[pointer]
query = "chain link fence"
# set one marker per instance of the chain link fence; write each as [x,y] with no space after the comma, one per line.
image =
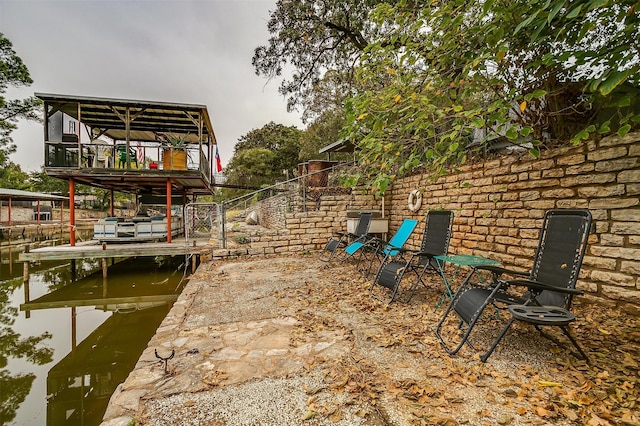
[202,220]
[299,194]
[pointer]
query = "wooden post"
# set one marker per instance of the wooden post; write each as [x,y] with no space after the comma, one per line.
[25,273]
[25,281]
[104,265]
[169,210]
[127,142]
[104,268]
[74,331]
[74,271]
[184,211]
[27,290]
[111,204]
[104,277]
[72,213]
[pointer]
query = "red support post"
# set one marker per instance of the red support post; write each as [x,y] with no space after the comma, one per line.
[72,213]
[169,210]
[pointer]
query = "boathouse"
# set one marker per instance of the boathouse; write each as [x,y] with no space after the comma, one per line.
[138,147]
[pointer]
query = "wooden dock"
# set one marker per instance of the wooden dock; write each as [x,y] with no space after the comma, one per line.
[95,249]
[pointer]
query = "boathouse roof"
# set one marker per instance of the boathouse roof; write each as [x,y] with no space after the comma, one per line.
[19,195]
[149,118]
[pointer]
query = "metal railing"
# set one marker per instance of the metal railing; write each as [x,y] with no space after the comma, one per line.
[202,220]
[209,219]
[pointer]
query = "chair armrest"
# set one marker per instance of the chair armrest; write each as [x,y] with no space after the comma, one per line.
[537,285]
[424,253]
[377,241]
[499,270]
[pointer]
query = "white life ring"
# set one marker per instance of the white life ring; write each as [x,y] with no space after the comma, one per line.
[415,200]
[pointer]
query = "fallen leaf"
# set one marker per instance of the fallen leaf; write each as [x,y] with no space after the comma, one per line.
[544,384]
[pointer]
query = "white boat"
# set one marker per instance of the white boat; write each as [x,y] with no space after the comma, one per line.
[139,228]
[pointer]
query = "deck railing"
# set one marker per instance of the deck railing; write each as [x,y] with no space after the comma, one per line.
[100,155]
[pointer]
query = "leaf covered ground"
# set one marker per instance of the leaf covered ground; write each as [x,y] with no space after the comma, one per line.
[399,369]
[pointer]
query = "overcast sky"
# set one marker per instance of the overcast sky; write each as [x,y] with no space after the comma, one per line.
[185,51]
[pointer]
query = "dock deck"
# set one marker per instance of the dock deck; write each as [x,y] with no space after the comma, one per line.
[94,249]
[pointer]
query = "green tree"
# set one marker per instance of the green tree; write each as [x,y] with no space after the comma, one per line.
[439,79]
[313,37]
[252,168]
[13,72]
[41,182]
[321,132]
[282,141]
[12,176]
[433,79]
[15,387]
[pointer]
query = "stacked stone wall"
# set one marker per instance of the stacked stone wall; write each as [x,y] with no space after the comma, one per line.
[18,214]
[306,227]
[499,205]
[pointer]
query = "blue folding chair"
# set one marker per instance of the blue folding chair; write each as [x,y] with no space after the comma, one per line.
[342,239]
[379,248]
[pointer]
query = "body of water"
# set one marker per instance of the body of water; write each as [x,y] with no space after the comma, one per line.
[68,338]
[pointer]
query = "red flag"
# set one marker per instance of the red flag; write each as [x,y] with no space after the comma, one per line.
[218,162]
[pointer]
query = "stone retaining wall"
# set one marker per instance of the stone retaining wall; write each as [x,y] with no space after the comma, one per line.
[499,205]
[18,214]
[302,230]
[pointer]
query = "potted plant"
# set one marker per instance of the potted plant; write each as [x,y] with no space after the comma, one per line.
[174,154]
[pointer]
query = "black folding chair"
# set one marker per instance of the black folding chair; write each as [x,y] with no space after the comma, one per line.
[341,239]
[435,242]
[550,286]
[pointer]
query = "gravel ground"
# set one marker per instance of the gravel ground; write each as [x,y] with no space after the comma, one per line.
[266,402]
[395,373]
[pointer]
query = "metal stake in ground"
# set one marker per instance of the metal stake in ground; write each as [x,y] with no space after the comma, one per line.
[173,352]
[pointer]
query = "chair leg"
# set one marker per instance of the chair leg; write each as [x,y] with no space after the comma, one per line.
[373,259]
[473,319]
[447,348]
[506,328]
[573,340]
[419,280]
[569,336]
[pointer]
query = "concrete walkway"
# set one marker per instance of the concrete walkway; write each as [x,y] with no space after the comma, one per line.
[226,328]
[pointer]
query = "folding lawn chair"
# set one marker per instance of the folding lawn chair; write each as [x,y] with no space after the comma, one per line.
[342,239]
[550,286]
[378,248]
[435,242]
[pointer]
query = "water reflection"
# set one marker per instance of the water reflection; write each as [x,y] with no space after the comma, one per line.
[76,340]
[80,385]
